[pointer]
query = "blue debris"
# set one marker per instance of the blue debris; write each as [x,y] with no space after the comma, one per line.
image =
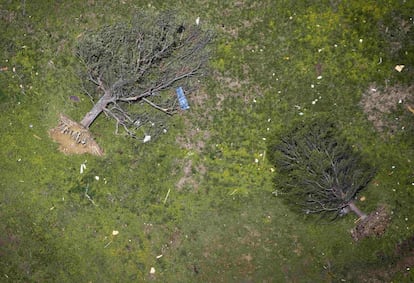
[182,99]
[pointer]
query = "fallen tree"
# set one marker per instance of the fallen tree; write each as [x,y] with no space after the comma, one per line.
[130,71]
[318,172]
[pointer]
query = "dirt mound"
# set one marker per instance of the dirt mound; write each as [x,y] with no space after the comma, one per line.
[374,225]
[74,138]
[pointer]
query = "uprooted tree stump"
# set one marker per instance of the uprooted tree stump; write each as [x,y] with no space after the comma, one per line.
[375,224]
[74,138]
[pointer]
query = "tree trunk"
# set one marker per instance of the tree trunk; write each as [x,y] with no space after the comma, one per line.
[356,210]
[96,110]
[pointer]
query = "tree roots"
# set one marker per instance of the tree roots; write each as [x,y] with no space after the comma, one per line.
[73,138]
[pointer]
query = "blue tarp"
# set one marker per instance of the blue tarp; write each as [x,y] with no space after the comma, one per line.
[182,99]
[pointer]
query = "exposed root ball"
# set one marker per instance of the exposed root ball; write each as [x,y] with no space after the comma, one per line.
[74,138]
[374,225]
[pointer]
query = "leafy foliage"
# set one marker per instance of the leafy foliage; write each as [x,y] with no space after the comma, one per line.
[319,171]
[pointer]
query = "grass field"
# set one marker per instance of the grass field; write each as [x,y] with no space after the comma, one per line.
[198,205]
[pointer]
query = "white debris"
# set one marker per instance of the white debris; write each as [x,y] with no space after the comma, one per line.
[197,21]
[152,270]
[82,168]
[97,178]
[147,138]
[115,232]
[399,68]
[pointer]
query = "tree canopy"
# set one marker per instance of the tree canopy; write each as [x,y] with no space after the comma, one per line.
[318,171]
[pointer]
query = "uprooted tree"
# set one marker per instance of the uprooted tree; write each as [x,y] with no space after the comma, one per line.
[131,70]
[318,171]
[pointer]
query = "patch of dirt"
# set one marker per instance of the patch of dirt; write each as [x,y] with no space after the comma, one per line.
[378,104]
[233,87]
[190,179]
[194,140]
[186,179]
[73,138]
[375,224]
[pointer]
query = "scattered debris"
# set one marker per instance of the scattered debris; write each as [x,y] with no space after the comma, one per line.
[115,232]
[146,139]
[399,68]
[166,197]
[182,99]
[82,168]
[37,137]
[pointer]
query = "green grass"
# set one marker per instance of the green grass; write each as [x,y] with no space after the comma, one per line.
[222,224]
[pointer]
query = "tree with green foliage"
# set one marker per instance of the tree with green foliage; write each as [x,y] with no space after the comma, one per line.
[318,171]
[131,69]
